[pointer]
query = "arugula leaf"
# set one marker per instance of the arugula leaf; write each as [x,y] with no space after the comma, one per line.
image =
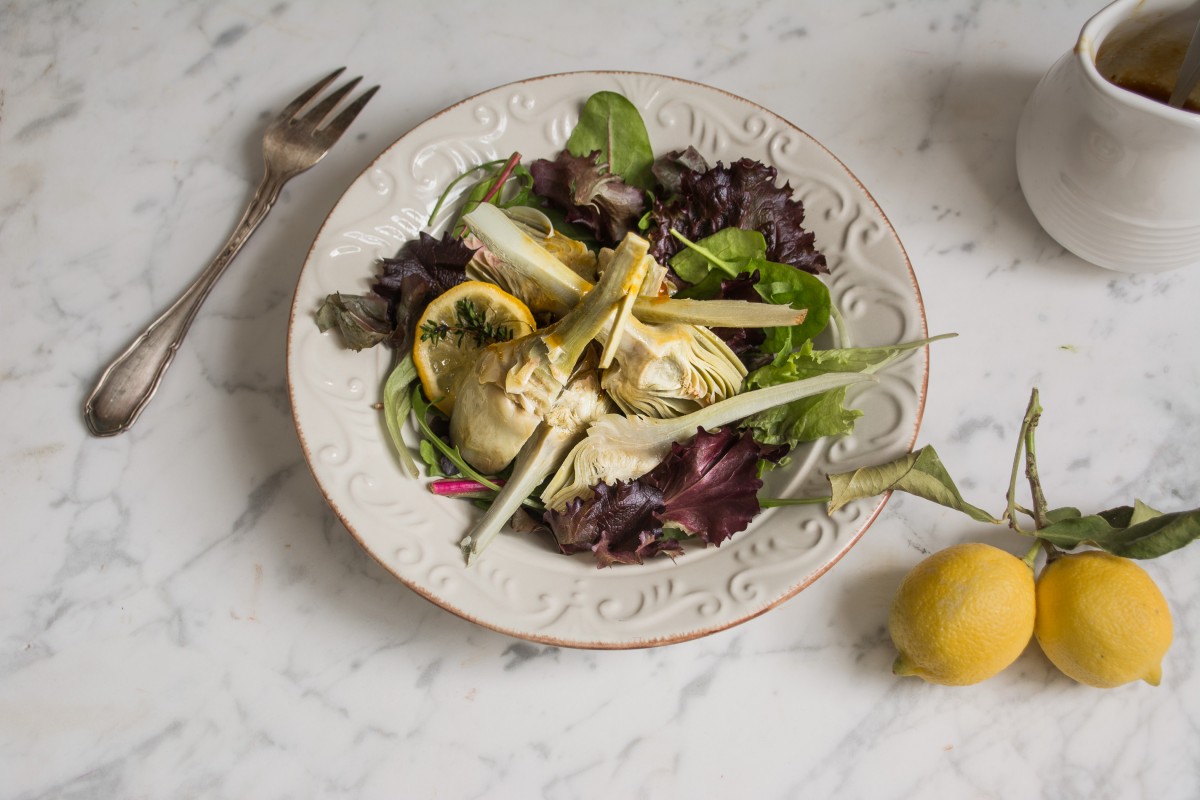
[919,473]
[422,408]
[812,418]
[433,461]
[487,190]
[611,125]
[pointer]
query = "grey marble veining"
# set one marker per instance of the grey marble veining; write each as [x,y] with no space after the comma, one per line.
[182,616]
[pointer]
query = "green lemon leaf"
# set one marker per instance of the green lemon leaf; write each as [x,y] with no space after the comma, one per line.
[1136,531]
[919,473]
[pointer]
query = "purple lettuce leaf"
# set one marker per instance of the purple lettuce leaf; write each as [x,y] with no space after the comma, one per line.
[742,195]
[617,523]
[423,269]
[590,195]
[708,488]
[669,169]
[361,319]
[710,485]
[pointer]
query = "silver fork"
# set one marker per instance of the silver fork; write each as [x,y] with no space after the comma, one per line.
[292,144]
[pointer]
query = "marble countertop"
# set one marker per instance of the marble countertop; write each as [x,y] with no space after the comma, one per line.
[181,615]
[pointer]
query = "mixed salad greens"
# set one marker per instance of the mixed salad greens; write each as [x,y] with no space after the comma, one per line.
[676,305]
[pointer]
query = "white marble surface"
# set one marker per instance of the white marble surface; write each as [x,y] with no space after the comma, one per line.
[181,615]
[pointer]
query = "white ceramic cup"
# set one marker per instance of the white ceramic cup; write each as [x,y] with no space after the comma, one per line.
[1113,176]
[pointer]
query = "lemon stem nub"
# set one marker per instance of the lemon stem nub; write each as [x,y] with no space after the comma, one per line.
[1031,557]
[902,666]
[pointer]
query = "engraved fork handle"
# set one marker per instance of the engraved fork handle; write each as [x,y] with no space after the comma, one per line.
[132,378]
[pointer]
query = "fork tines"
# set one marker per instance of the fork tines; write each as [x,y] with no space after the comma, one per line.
[317,115]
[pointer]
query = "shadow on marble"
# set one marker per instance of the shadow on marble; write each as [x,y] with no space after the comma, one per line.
[978,124]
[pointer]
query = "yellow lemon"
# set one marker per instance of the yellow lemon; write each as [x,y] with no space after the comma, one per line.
[1102,620]
[962,615]
[455,327]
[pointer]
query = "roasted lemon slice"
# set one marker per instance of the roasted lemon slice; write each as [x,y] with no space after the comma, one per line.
[455,327]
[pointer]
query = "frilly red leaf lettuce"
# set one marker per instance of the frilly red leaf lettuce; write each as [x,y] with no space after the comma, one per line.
[668,170]
[592,197]
[617,523]
[708,488]
[710,485]
[423,269]
[742,195]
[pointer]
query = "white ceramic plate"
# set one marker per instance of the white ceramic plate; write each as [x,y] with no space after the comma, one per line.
[522,586]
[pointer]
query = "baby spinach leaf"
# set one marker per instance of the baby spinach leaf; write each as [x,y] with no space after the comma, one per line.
[733,251]
[919,473]
[611,125]
[723,251]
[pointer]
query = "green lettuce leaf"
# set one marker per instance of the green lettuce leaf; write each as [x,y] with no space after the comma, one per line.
[612,126]
[812,418]
[397,403]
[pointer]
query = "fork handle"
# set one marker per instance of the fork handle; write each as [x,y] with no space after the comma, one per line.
[129,382]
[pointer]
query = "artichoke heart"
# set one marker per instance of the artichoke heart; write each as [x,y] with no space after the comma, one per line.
[499,402]
[671,369]
[513,385]
[580,403]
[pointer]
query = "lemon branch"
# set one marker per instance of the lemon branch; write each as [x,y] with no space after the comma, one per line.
[1026,447]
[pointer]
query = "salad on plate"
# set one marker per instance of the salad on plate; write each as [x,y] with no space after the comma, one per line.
[611,345]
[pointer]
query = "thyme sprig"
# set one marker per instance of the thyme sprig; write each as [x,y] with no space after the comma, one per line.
[469,321]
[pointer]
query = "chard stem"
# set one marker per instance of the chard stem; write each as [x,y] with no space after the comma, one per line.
[509,166]
[449,187]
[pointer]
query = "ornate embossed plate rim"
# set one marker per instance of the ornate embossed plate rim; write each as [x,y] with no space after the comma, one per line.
[375,541]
